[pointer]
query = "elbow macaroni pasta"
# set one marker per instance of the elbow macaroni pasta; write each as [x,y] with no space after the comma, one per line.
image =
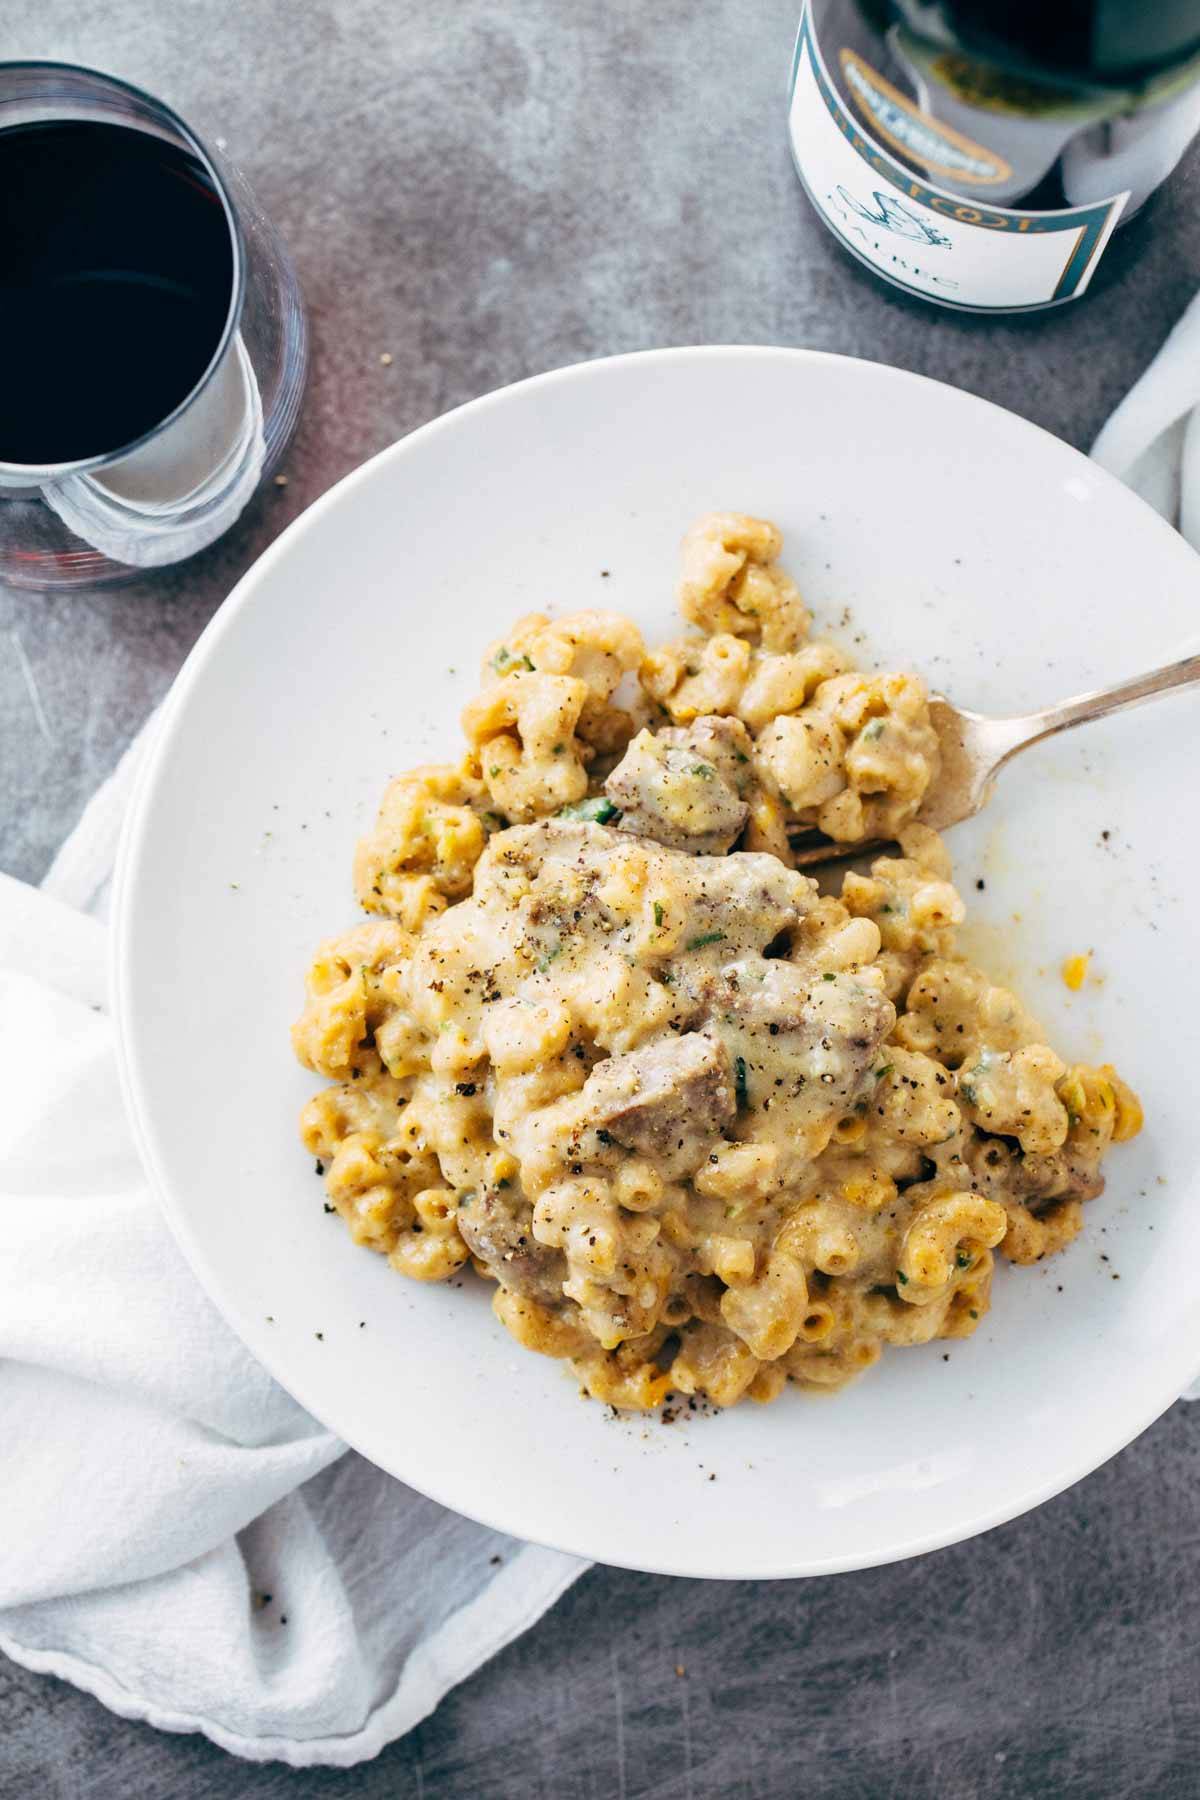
[706,1130]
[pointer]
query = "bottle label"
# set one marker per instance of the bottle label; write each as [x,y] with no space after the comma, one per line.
[958,251]
[938,148]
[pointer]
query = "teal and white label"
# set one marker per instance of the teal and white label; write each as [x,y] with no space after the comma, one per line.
[958,251]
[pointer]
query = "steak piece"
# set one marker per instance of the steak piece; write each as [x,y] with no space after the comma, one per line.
[499,1231]
[668,1100]
[725,743]
[682,787]
[1002,1171]
[814,1040]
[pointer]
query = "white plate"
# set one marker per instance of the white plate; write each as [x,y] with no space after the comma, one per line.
[964,542]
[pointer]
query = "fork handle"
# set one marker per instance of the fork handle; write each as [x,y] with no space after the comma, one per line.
[1035,726]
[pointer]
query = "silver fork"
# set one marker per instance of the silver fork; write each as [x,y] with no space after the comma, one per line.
[975,749]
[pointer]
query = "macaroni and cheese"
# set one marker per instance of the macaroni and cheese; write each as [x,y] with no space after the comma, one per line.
[706,1129]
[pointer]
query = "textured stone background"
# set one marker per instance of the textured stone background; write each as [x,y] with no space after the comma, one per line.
[486,192]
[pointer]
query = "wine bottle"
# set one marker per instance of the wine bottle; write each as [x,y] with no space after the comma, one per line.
[980,153]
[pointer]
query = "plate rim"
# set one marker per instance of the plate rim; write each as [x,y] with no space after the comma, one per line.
[132,850]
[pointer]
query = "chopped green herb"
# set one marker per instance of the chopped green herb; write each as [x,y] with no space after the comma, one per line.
[550,956]
[963,1260]
[706,937]
[829,976]
[885,1070]
[504,655]
[557,750]
[974,1314]
[874,730]
[739,1078]
[658,912]
[967,1092]
[493,771]
[901,1277]
[504,1182]
[703,770]
[597,808]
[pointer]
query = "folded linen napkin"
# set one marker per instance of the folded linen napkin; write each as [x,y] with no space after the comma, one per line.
[1152,440]
[183,1541]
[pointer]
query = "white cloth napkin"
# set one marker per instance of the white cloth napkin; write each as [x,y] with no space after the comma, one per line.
[1152,440]
[181,1539]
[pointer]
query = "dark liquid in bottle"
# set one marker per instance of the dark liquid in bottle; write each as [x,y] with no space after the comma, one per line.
[116,271]
[1094,42]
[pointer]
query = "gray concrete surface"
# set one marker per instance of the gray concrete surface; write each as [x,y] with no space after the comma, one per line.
[486,192]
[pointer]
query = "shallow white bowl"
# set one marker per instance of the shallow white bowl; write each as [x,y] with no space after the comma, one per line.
[959,540]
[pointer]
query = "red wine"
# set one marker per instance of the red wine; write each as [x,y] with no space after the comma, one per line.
[116,273]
